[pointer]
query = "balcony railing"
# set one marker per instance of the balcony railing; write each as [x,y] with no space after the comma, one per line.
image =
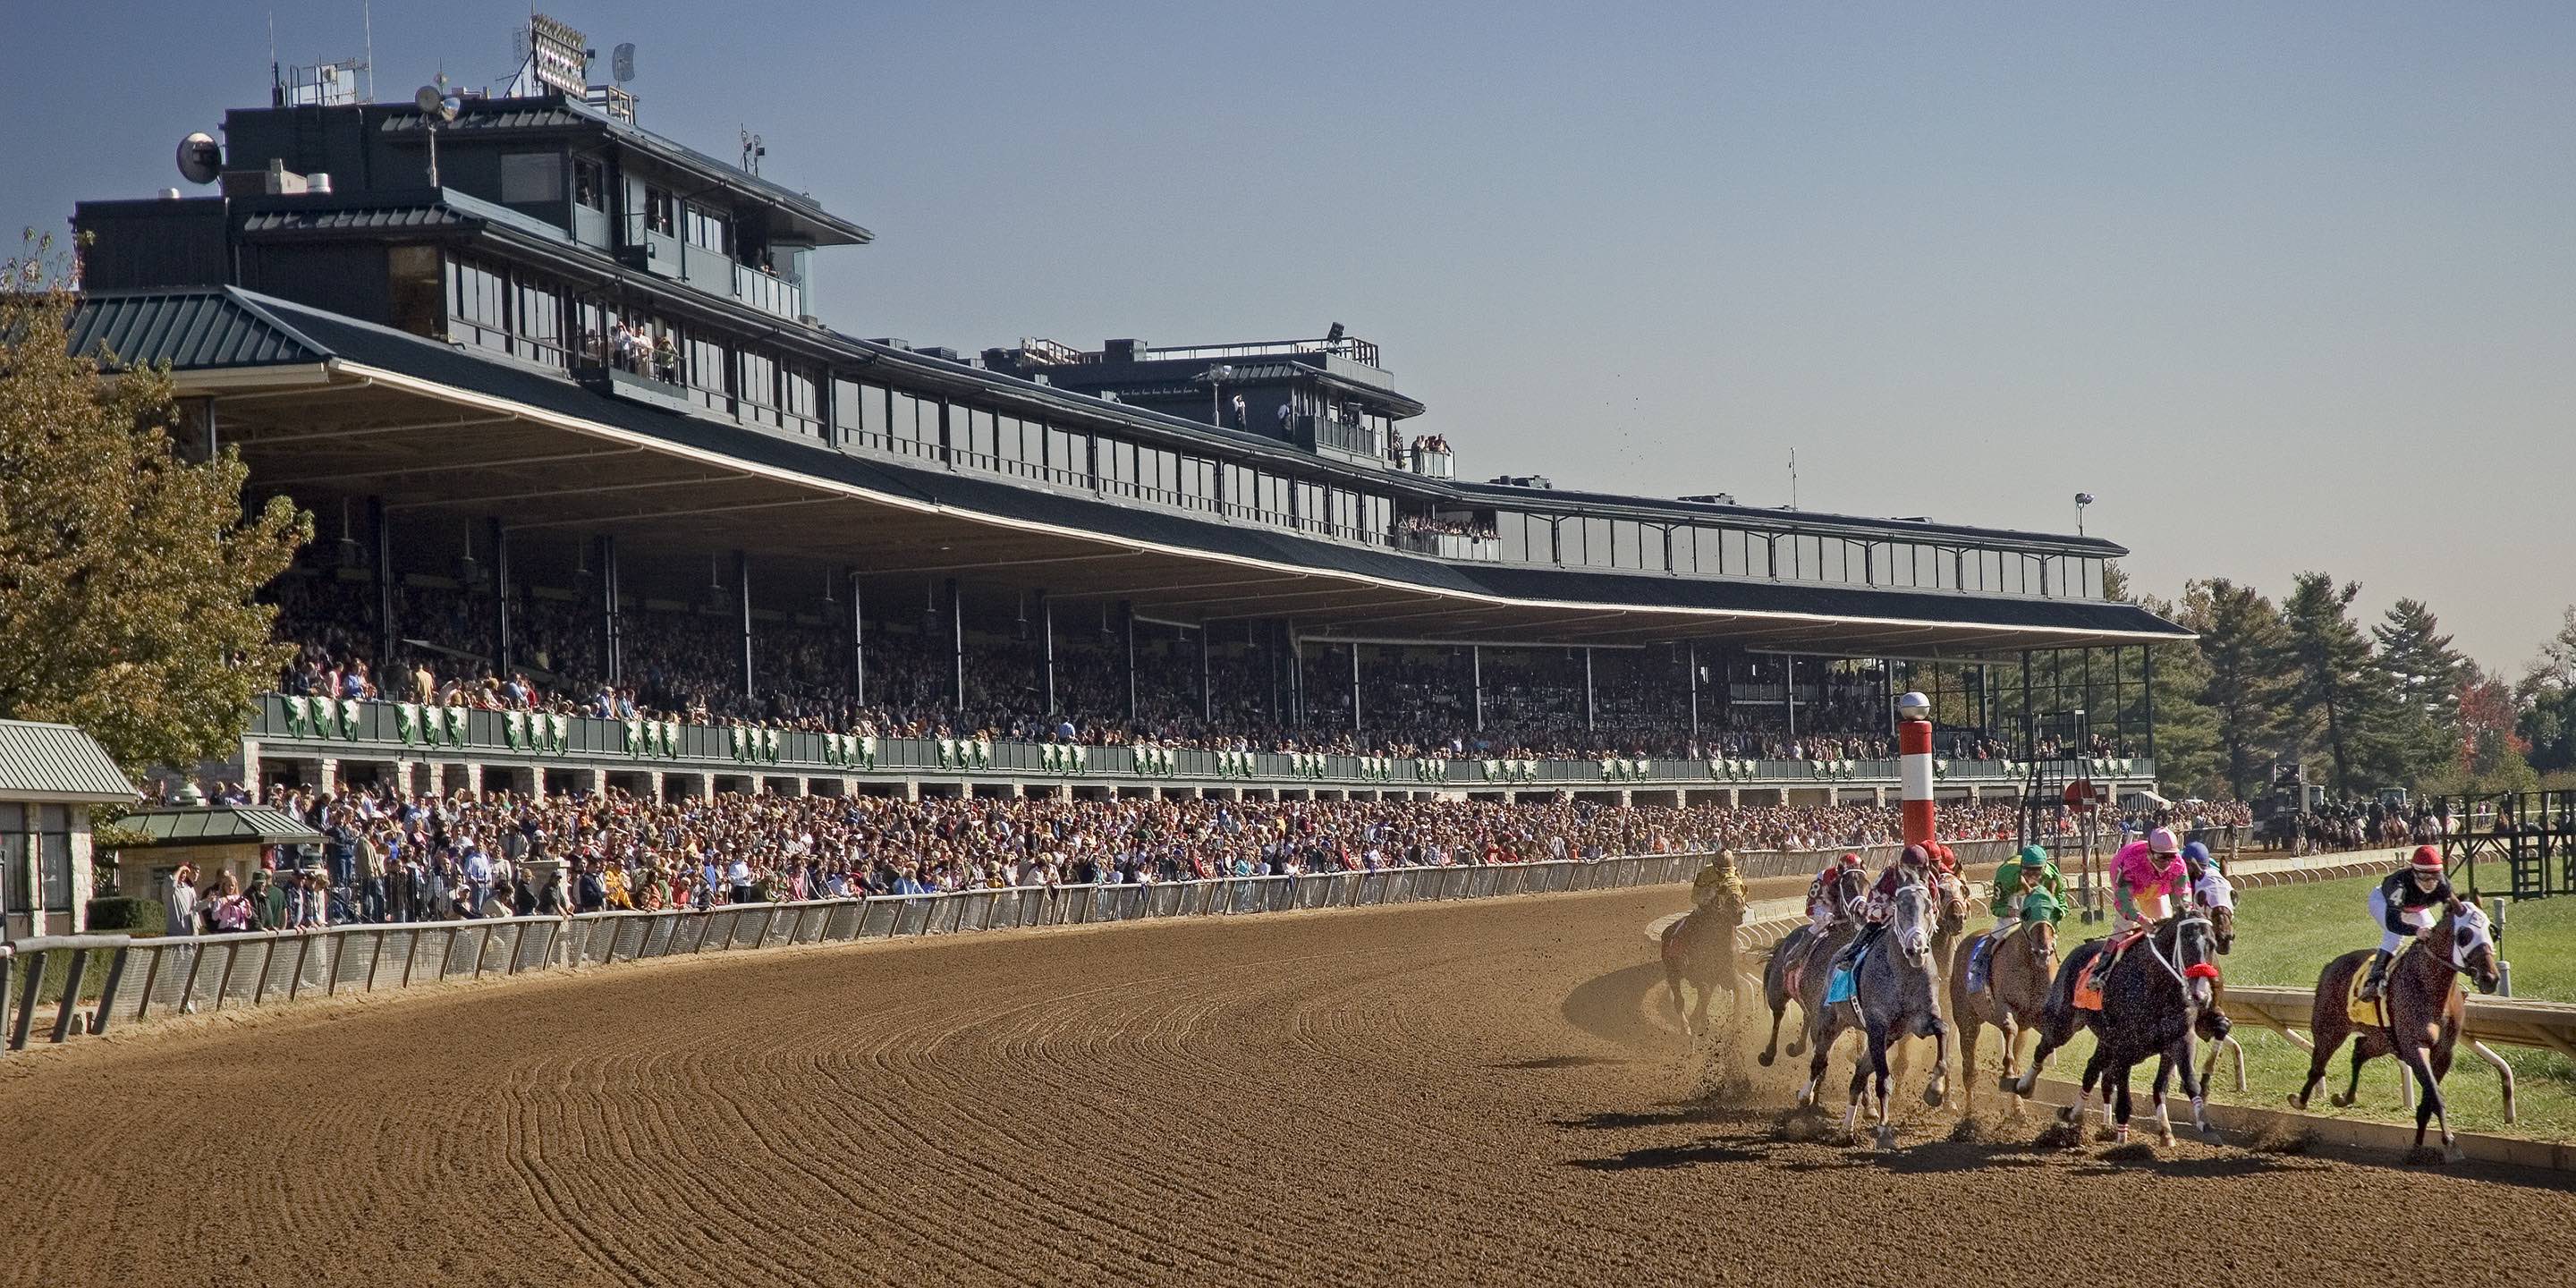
[1318,433]
[768,292]
[1450,545]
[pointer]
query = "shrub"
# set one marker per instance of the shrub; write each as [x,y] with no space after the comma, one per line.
[109,912]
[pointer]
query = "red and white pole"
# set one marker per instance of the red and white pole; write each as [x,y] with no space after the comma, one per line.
[1914,765]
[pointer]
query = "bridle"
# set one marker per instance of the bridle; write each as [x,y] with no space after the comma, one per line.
[2183,974]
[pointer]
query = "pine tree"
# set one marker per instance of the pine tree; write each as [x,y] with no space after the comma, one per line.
[2337,688]
[2244,649]
[2186,727]
[2425,677]
[126,574]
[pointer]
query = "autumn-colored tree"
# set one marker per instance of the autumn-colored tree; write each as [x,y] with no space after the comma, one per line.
[127,574]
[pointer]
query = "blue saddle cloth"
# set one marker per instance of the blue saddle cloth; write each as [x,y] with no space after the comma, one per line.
[1844,983]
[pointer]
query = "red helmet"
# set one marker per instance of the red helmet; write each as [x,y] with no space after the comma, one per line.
[1848,861]
[2426,859]
[1915,856]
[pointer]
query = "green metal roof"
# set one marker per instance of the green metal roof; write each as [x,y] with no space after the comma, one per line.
[219,825]
[55,762]
[187,328]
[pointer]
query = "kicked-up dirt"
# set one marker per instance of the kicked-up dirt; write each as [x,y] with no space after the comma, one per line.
[1474,1093]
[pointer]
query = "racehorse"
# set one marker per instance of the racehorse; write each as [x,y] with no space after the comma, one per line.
[2153,1000]
[2018,973]
[2424,1012]
[1803,952]
[1699,947]
[1950,892]
[1893,998]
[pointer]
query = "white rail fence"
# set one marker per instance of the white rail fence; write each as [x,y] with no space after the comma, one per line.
[154,978]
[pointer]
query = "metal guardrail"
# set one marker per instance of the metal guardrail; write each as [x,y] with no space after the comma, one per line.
[155,978]
[379,729]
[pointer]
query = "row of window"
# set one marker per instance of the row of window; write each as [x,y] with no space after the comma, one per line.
[36,854]
[525,315]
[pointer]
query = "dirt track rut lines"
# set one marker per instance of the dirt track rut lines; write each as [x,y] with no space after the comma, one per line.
[1453,1094]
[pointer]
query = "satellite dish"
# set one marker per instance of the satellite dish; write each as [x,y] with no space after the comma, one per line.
[622,63]
[200,158]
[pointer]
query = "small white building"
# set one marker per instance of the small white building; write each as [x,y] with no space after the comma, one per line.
[50,774]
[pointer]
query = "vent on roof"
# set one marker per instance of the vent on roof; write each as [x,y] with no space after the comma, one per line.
[1525,480]
[1713,498]
[938,351]
[1126,350]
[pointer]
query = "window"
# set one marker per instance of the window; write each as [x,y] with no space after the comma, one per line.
[537,316]
[710,373]
[798,398]
[37,837]
[1068,456]
[590,184]
[478,306]
[710,230]
[905,427]
[661,213]
[531,178]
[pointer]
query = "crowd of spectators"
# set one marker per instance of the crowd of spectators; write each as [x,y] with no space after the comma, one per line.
[390,856]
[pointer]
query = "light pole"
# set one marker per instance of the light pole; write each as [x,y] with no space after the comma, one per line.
[1217,376]
[2082,499]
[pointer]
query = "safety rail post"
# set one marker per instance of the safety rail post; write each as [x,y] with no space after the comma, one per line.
[107,993]
[35,983]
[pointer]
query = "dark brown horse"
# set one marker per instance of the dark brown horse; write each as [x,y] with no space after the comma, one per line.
[1699,947]
[2017,979]
[2155,1000]
[2425,1012]
[1805,954]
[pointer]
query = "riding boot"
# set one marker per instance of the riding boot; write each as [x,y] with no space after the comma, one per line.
[2378,977]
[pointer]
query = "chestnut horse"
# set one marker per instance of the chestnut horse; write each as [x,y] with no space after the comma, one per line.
[2424,1008]
[2018,974]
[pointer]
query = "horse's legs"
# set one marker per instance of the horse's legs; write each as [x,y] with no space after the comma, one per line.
[1815,1071]
[2429,1068]
[1673,985]
[1859,1084]
[1938,1088]
[2120,1120]
[2352,1091]
[2084,1097]
[1772,1048]
[2194,1085]
[2321,1051]
[1968,1035]
[1879,1037]
[2164,1117]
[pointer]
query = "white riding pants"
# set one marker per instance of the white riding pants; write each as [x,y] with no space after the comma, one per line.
[2389,940]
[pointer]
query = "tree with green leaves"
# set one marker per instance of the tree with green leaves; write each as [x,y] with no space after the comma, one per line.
[127,574]
[2337,689]
[2425,678]
[2186,728]
[2244,650]
[2546,695]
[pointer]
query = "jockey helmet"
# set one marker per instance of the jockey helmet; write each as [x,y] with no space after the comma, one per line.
[2426,859]
[1848,861]
[2034,858]
[2161,841]
[1914,856]
[2195,852]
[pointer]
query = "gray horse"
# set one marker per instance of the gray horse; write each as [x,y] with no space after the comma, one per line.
[1894,996]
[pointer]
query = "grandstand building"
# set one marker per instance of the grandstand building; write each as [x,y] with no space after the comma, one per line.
[570,411]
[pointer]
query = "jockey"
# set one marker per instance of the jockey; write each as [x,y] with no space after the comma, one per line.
[1718,879]
[2210,887]
[1825,895]
[2403,906]
[2032,871]
[1914,860]
[2147,878]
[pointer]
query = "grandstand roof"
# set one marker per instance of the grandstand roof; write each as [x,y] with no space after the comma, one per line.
[439,430]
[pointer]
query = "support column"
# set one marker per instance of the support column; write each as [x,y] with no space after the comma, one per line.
[1587,689]
[1476,674]
[742,597]
[858,639]
[612,629]
[388,631]
[1046,652]
[957,640]
[2147,663]
[1127,624]
[1207,682]
[2029,716]
[1355,689]
[1789,691]
[1690,661]
[501,598]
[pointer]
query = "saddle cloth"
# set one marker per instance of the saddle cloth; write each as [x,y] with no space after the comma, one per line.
[2088,983]
[1845,982]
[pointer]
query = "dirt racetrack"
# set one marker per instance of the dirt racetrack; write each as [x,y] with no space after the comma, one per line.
[1473,1093]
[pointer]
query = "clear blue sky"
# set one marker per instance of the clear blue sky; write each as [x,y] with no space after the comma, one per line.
[2284,286]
